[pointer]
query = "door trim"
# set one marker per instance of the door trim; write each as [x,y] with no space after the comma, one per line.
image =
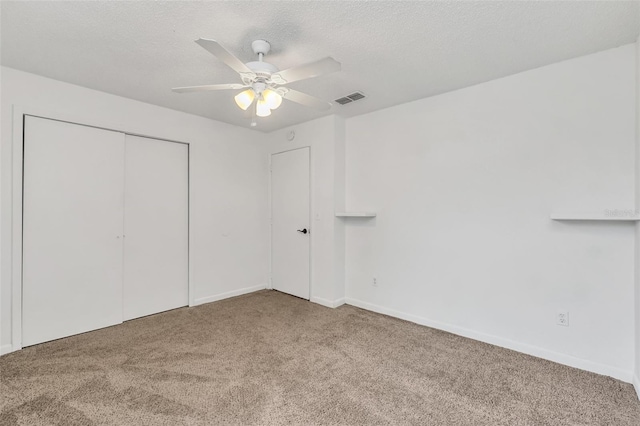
[17,187]
[311,225]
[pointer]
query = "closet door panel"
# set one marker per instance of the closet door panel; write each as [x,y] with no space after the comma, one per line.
[156,226]
[72,229]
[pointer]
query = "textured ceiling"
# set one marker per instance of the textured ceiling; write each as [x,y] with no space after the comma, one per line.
[392,51]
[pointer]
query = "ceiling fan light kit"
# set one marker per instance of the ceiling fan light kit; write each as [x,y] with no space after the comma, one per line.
[272,98]
[262,109]
[262,81]
[245,99]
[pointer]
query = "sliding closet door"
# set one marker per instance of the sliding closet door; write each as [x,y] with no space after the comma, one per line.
[156,226]
[72,229]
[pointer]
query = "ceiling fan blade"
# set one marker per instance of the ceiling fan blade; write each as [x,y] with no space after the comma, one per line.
[208,87]
[304,99]
[314,69]
[224,55]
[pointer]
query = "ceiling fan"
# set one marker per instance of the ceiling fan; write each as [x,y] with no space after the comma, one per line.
[263,82]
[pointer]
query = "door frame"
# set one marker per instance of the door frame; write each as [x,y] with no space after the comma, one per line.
[311,234]
[17,186]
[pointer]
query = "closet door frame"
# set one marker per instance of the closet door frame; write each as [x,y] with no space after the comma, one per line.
[19,113]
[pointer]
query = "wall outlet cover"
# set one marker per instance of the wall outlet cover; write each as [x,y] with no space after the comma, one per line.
[562,318]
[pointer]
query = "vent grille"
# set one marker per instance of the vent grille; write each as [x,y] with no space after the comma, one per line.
[356,96]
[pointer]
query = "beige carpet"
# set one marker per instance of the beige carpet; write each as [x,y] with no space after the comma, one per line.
[268,358]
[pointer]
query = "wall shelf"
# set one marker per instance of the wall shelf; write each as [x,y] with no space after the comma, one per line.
[355,214]
[600,217]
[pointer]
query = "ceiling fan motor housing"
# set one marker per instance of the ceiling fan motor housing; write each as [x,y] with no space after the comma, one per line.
[262,68]
[263,72]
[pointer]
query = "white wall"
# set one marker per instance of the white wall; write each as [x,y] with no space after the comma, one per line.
[325,137]
[229,247]
[636,380]
[464,183]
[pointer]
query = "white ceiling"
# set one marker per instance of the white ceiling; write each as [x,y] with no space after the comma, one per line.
[393,52]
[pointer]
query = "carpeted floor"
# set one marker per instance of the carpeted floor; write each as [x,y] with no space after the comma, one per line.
[268,358]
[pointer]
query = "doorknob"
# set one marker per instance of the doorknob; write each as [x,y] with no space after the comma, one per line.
[304,231]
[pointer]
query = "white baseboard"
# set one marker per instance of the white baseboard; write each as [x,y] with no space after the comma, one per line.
[328,303]
[228,294]
[583,364]
[5,349]
[636,384]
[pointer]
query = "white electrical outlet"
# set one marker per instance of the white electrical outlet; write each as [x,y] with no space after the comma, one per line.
[375,282]
[562,318]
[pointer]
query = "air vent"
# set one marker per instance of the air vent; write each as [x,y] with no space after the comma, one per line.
[356,96]
[343,101]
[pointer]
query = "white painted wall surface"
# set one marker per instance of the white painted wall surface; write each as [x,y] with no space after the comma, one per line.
[229,247]
[463,184]
[339,204]
[636,378]
[325,136]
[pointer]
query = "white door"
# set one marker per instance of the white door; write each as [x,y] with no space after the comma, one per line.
[72,229]
[290,231]
[156,223]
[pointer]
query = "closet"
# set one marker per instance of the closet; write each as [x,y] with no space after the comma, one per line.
[105,228]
